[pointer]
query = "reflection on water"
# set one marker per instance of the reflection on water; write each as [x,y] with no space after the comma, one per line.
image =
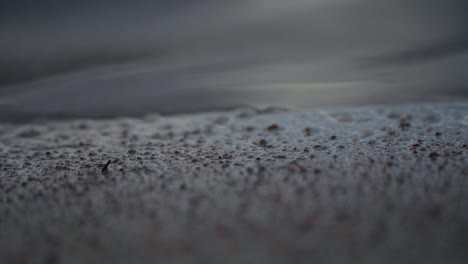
[102,58]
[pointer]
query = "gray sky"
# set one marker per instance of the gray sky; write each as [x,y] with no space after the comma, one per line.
[153,55]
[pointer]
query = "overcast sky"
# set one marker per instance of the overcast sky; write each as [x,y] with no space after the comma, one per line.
[256,51]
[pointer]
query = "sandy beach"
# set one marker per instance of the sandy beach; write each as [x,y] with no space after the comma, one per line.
[369,184]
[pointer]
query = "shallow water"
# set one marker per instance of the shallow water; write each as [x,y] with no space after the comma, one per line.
[95,58]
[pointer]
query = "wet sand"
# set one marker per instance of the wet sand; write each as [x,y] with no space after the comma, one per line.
[374,184]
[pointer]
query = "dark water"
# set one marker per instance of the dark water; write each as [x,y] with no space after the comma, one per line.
[94,58]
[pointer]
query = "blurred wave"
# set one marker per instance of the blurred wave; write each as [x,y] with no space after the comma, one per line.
[102,57]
